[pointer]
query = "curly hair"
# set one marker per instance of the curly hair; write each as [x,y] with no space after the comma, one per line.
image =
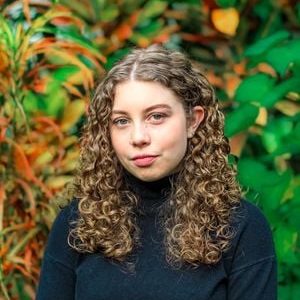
[204,195]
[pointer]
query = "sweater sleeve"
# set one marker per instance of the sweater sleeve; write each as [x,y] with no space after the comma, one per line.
[253,272]
[57,277]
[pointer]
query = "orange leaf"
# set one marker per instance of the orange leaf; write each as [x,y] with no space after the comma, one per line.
[225,20]
[237,143]
[24,168]
[23,271]
[29,194]
[2,198]
[4,61]
[232,82]
[28,257]
[123,32]
[265,68]
[40,85]
[72,89]
[52,124]
[21,163]
[134,18]
[3,127]
[214,79]
[26,11]
[240,68]
[68,20]
[165,34]
[162,38]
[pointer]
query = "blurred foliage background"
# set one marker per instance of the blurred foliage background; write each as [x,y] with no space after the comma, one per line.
[52,53]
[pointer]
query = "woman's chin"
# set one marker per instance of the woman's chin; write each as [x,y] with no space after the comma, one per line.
[148,175]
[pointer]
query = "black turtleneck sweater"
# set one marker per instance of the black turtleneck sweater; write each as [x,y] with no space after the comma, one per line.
[247,271]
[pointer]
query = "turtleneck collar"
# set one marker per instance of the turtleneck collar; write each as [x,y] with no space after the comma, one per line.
[151,194]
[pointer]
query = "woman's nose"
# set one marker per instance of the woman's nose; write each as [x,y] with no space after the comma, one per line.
[140,136]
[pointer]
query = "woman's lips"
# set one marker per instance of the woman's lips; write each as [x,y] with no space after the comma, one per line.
[144,161]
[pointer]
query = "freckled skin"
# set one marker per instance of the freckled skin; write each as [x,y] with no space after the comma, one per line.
[149,119]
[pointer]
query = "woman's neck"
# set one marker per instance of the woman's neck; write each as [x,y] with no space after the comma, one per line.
[150,194]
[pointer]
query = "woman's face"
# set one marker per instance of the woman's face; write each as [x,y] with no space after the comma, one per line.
[149,129]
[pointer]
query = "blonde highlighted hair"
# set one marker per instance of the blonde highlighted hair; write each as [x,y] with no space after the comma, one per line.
[197,219]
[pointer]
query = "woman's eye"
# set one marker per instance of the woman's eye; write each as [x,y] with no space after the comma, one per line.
[120,122]
[157,117]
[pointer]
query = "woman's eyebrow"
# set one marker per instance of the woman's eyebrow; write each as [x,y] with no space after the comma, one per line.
[123,112]
[166,106]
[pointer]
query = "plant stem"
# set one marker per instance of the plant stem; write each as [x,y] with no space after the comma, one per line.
[2,285]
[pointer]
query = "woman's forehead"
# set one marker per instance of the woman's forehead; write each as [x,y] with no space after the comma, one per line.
[144,95]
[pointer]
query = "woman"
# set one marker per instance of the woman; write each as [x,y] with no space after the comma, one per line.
[158,212]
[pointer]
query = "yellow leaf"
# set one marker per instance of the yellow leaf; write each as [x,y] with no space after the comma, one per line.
[72,113]
[76,78]
[262,117]
[288,108]
[226,20]
[58,182]
[44,159]
[70,140]
[70,162]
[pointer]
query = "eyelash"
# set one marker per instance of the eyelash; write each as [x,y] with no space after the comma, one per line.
[161,115]
[116,122]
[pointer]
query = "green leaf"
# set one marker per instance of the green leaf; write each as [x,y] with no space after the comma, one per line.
[254,88]
[254,174]
[71,34]
[293,214]
[151,30]
[266,43]
[6,33]
[240,119]
[284,292]
[290,147]
[21,290]
[295,69]
[285,239]
[295,291]
[115,57]
[31,103]
[281,57]
[297,9]
[275,130]
[250,173]
[81,8]
[226,3]
[55,99]
[62,74]
[292,209]
[262,10]
[296,196]
[268,183]
[109,12]
[274,189]
[280,90]
[152,9]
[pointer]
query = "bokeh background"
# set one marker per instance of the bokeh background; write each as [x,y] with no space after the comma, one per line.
[52,54]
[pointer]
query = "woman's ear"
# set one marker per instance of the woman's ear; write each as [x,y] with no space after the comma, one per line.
[195,119]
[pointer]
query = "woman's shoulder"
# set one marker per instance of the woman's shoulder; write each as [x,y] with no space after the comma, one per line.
[252,242]
[58,247]
[249,216]
[66,215]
